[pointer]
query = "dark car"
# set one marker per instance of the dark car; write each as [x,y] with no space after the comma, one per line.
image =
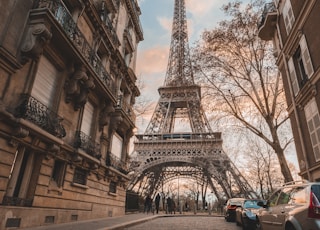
[294,206]
[230,208]
[246,213]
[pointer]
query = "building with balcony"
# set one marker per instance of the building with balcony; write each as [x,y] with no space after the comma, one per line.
[67,90]
[291,25]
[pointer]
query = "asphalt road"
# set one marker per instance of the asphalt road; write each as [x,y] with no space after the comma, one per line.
[186,223]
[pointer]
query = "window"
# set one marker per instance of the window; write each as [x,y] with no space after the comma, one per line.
[113,187]
[116,147]
[285,196]
[273,199]
[293,77]
[302,73]
[288,16]
[305,56]
[80,176]
[300,66]
[45,82]
[313,120]
[299,196]
[87,118]
[58,172]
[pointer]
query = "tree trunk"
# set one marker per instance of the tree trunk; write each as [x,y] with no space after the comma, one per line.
[283,163]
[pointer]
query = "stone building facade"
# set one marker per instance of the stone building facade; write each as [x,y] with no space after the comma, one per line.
[67,90]
[292,26]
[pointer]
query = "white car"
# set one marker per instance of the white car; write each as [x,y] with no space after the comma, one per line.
[294,206]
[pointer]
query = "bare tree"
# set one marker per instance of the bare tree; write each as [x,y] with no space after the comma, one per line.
[261,167]
[240,77]
[142,104]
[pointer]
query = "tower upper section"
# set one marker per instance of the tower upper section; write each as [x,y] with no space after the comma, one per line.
[179,69]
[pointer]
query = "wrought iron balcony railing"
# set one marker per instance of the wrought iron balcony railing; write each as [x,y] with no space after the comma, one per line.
[115,162]
[268,8]
[86,143]
[63,17]
[33,110]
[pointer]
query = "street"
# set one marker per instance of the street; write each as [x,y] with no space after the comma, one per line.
[186,223]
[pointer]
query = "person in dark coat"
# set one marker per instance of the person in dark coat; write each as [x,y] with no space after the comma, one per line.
[147,204]
[169,204]
[157,202]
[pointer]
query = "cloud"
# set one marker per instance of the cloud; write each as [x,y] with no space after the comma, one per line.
[166,23]
[153,60]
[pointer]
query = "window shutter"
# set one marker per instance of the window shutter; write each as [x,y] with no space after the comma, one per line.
[288,16]
[293,77]
[306,57]
[45,82]
[87,118]
[116,146]
[313,121]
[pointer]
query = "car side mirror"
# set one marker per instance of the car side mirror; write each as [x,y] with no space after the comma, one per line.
[261,204]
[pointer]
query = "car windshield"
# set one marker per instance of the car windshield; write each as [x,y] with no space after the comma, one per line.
[235,202]
[251,204]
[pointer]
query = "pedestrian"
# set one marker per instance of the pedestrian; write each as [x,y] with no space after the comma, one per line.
[169,204]
[157,202]
[147,204]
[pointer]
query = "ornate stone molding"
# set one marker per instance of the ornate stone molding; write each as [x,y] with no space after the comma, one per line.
[105,114]
[37,36]
[78,87]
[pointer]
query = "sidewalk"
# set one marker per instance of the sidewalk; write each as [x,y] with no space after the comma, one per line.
[109,223]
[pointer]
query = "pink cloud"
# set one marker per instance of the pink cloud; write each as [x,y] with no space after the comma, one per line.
[152,60]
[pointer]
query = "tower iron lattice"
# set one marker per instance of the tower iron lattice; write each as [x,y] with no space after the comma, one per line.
[161,153]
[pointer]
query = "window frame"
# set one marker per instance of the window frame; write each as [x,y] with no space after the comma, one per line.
[313,122]
[82,173]
[113,187]
[293,77]
[88,113]
[45,83]
[58,172]
[288,16]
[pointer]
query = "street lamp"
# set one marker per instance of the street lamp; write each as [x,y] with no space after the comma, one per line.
[179,206]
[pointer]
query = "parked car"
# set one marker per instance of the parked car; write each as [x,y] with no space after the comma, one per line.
[230,208]
[294,206]
[246,213]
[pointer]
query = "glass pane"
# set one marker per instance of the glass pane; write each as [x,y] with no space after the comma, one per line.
[316,121]
[314,139]
[311,126]
[316,153]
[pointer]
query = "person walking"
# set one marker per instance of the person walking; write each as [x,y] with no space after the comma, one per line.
[147,204]
[157,202]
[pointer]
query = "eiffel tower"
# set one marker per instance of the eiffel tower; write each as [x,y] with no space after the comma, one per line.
[161,153]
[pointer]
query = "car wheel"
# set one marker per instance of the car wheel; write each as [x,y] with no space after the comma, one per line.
[290,227]
[244,226]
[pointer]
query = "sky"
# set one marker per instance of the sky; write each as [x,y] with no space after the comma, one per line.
[153,51]
[156,19]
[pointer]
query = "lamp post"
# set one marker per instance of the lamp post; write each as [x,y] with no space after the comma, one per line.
[178,190]
[179,205]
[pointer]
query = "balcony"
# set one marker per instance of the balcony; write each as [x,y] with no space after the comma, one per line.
[115,162]
[62,16]
[34,111]
[268,21]
[87,144]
